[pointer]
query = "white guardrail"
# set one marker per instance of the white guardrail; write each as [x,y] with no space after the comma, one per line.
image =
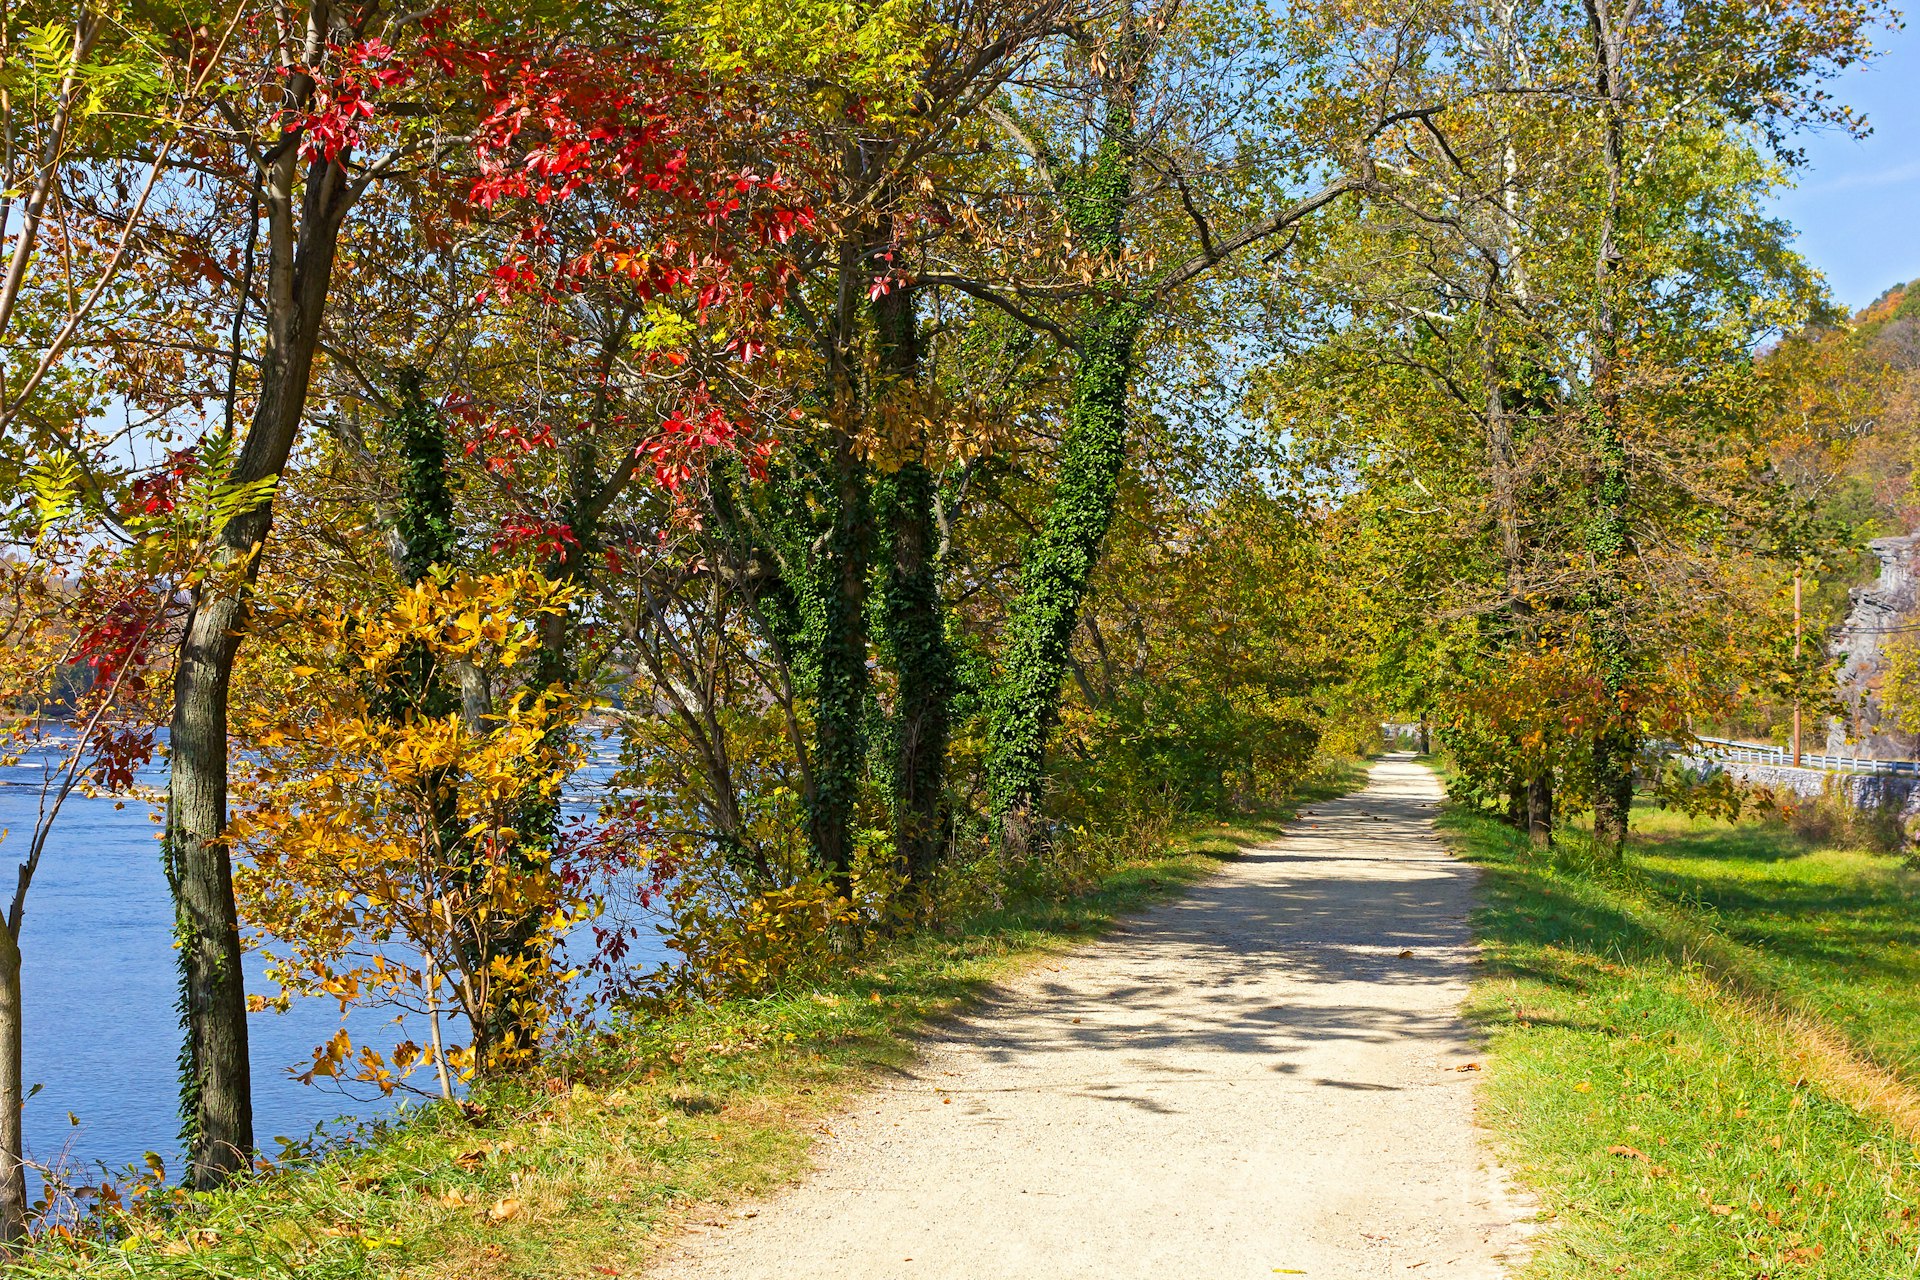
[1754,753]
[1766,753]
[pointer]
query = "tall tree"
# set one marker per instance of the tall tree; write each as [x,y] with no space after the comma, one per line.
[1140,207]
[317,75]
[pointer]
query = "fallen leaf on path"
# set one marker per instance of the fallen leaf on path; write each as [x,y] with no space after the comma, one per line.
[1470,1066]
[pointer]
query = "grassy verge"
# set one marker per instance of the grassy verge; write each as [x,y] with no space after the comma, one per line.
[575,1177]
[1833,929]
[1683,1052]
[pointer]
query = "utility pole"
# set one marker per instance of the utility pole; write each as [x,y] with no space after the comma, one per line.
[1796,668]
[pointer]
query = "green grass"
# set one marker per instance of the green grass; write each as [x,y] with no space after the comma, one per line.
[1837,930]
[574,1175]
[1648,1074]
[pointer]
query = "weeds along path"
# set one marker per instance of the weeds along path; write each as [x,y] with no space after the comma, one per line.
[1268,1075]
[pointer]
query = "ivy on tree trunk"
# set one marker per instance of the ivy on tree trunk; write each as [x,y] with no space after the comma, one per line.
[914,639]
[1059,560]
[1057,565]
[911,617]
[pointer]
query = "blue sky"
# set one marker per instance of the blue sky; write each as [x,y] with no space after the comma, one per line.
[1858,202]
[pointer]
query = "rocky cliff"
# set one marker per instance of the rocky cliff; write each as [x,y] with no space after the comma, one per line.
[1880,612]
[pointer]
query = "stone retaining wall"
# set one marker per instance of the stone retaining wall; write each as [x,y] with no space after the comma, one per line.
[1861,790]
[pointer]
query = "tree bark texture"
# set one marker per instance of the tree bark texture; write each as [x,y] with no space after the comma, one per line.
[13,1170]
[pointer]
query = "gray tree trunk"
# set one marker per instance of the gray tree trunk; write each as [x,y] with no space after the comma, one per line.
[216,1086]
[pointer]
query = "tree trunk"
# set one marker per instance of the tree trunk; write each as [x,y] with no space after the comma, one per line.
[1058,565]
[216,1083]
[1540,810]
[422,537]
[912,617]
[841,686]
[216,1088]
[1058,561]
[13,1097]
[508,1032]
[916,640]
[1613,789]
[1607,530]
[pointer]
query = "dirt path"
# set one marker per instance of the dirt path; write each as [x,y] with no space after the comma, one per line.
[1256,1078]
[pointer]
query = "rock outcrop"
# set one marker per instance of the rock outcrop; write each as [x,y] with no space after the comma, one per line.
[1880,613]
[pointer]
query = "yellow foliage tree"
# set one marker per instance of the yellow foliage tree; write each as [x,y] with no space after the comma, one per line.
[383,865]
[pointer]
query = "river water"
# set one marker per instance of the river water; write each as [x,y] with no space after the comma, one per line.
[99,982]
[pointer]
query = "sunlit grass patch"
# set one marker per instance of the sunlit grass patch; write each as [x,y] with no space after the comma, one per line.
[1835,928]
[1664,1108]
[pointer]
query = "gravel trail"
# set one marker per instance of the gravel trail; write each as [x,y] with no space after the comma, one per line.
[1266,1076]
